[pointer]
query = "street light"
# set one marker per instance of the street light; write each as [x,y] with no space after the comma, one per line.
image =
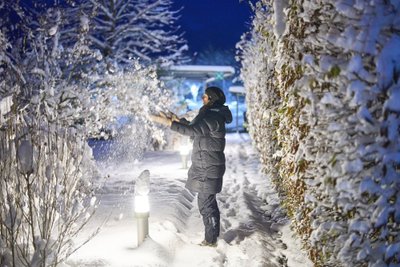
[142,205]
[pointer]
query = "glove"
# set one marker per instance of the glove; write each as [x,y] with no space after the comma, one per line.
[174,117]
[170,115]
[161,120]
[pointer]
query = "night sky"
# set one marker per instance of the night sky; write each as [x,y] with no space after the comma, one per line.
[217,23]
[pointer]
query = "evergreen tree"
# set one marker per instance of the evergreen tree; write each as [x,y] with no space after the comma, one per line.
[125,29]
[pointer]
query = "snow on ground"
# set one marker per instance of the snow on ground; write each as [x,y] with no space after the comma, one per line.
[254,229]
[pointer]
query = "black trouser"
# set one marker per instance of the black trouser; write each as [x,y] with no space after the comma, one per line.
[208,208]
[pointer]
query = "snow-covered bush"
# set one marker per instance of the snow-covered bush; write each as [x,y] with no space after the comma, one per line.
[46,172]
[51,101]
[46,189]
[132,95]
[335,76]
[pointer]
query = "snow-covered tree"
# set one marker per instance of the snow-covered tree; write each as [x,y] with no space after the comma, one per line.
[125,29]
[124,35]
[332,70]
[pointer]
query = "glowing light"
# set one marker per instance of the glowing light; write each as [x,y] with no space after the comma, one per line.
[142,204]
[184,150]
[194,89]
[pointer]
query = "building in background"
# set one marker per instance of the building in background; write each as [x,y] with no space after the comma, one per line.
[188,82]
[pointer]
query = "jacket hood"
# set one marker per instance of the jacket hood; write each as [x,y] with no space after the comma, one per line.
[223,111]
[216,95]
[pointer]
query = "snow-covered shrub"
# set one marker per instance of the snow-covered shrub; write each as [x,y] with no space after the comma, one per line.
[46,188]
[46,170]
[336,68]
[46,176]
[132,95]
[51,101]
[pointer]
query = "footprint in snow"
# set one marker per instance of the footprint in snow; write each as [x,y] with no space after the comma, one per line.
[231,213]
[232,199]
[226,223]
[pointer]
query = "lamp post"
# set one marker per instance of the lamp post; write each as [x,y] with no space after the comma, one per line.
[142,205]
[184,151]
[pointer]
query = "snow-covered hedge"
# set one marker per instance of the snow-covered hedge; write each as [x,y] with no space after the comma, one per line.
[323,82]
[262,97]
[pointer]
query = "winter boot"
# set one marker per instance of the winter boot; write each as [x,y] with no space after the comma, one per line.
[204,243]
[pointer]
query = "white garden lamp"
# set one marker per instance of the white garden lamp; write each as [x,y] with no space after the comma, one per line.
[184,151]
[142,205]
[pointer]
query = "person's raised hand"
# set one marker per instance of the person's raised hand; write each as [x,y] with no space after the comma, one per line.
[170,115]
[173,116]
[161,119]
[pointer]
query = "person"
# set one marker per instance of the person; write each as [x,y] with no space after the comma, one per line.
[208,158]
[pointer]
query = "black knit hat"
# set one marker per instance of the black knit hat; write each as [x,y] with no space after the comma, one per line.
[216,95]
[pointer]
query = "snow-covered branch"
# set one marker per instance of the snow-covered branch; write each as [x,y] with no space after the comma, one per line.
[146,27]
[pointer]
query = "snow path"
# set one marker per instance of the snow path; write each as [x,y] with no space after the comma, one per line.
[254,229]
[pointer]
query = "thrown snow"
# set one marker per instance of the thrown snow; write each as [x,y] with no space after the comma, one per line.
[254,229]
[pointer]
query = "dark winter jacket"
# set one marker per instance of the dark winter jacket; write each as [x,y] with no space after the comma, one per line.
[208,159]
